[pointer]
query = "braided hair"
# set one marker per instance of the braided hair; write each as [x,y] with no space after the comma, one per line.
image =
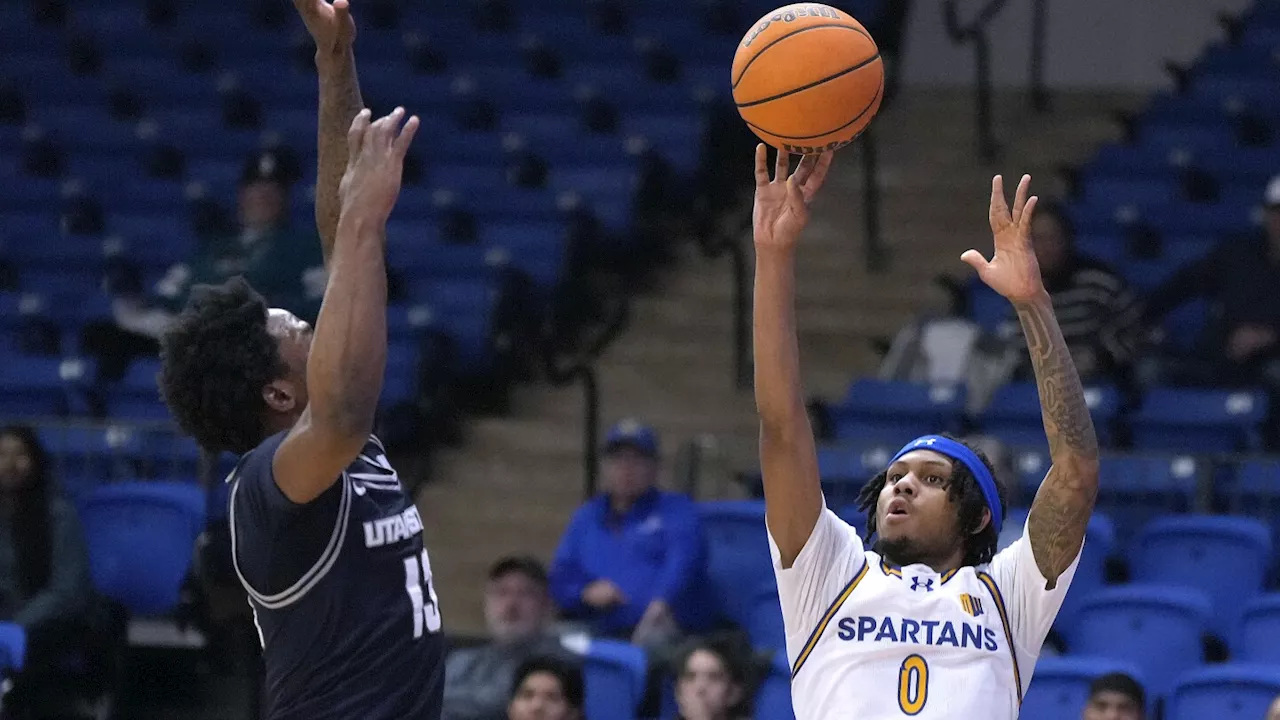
[962,490]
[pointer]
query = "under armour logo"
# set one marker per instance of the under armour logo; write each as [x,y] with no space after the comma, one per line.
[927,441]
[927,584]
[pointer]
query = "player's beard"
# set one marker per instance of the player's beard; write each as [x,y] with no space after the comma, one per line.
[902,551]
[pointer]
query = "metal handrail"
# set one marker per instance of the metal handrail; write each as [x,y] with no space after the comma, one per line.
[976,32]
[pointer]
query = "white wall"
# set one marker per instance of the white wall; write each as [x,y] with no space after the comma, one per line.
[1095,44]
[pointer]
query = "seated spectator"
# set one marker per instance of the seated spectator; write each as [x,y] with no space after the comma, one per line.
[284,263]
[1239,279]
[1100,316]
[517,610]
[44,581]
[547,688]
[712,680]
[1115,697]
[630,562]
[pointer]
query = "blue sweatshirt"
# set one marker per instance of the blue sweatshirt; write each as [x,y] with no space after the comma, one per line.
[653,551]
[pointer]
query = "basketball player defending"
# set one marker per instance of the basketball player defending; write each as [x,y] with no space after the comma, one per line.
[929,621]
[325,540]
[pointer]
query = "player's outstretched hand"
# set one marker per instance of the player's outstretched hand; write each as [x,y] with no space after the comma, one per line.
[782,202]
[1012,271]
[330,25]
[375,164]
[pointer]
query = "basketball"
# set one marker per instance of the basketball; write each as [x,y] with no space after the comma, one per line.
[807,78]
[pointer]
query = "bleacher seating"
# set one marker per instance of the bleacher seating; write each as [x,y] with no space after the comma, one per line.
[615,674]
[1225,692]
[1060,686]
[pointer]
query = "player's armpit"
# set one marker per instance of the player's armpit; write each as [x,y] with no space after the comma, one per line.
[1064,502]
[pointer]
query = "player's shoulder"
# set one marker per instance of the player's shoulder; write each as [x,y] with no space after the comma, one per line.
[258,460]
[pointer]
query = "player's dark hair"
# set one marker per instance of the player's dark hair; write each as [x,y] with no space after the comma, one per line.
[964,491]
[1119,683]
[522,564]
[568,674]
[215,359]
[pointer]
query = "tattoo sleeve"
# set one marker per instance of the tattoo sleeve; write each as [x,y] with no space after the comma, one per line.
[340,102]
[1065,500]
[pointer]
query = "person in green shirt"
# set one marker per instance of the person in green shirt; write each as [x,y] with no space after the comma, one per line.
[282,261]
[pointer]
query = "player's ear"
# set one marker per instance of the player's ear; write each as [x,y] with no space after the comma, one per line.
[984,522]
[280,395]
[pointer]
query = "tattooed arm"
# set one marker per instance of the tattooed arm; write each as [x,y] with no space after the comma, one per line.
[333,30]
[1065,500]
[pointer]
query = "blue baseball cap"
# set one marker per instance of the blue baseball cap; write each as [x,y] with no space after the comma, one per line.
[633,434]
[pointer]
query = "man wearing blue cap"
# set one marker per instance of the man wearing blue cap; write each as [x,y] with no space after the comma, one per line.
[922,617]
[630,561]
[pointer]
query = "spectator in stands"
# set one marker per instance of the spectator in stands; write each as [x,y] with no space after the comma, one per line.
[1240,279]
[1115,696]
[1273,713]
[1100,316]
[630,562]
[44,569]
[517,610]
[547,688]
[712,680]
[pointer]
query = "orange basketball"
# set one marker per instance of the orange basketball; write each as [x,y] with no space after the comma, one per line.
[807,78]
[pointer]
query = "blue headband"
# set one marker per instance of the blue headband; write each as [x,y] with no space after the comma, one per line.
[957,451]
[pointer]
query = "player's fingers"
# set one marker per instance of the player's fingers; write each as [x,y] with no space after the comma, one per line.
[762,164]
[781,166]
[1028,212]
[388,126]
[804,169]
[405,138]
[795,194]
[999,214]
[355,136]
[820,168]
[974,259]
[1020,197]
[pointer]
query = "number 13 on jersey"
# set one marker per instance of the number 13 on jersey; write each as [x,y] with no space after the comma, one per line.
[913,685]
[417,582]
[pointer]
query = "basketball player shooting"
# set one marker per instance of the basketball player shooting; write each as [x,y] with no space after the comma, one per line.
[325,540]
[928,620]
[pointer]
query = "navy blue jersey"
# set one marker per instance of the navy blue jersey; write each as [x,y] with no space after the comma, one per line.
[341,592]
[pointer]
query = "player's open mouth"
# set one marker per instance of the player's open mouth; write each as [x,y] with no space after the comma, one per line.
[896,507]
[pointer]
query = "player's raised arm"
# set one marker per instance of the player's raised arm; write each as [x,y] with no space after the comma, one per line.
[333,30]
[1063,504]
[349,351]
[788,458]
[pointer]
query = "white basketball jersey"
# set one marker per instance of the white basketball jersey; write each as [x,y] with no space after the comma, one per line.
[868,641]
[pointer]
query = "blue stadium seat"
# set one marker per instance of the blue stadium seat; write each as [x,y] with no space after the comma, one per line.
[141,537]
[1255,640]
[1013,414]
[1224,692]
[773,697]
[137,395]
[908,409]
[764,621]
[614,674]
[33,387]
[986,307]
[1059,688]
[1225,557]
[1136,190]
[738,562]
[1204,421]
[1184,327]
[1156,628]
[1134,489]
[88,456]
[13,649]
[540,250]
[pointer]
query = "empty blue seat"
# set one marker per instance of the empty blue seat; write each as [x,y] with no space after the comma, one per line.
[908,409]
[137,395]
[1141,191]
[738,568]
[773,697]
[1206,421]
[763,622]
[540,250]
[1156,628]
[1014,416]
[1224,692]
[1255,639]
[614,675]
[1059,688]
[87,456]
[33,387]
[13,649]
[1225,557]
[986,307]
[141,537]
